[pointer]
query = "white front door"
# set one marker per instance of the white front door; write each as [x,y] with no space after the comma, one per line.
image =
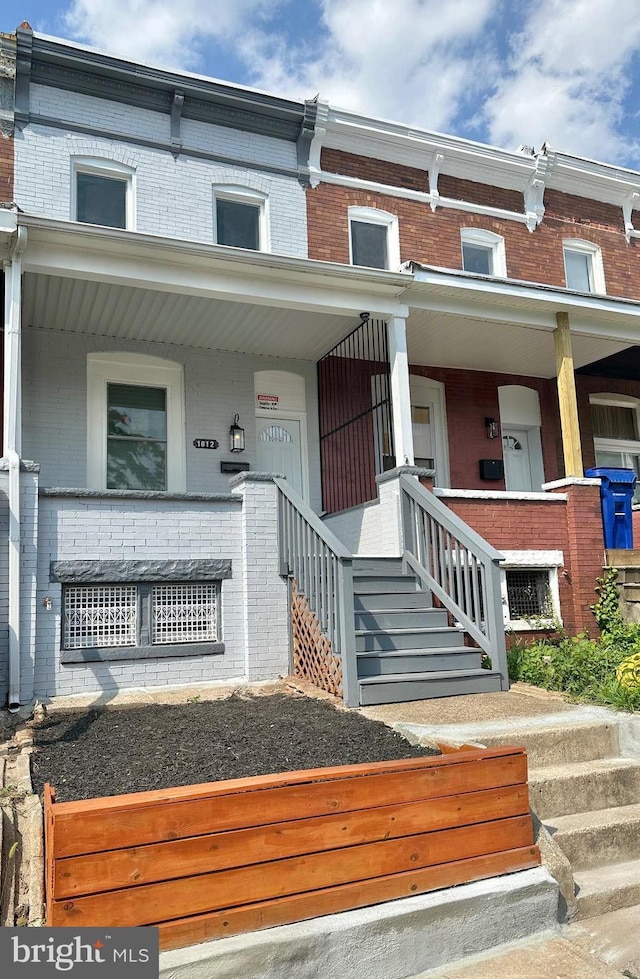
[429,427]
[279,444]
[517,461]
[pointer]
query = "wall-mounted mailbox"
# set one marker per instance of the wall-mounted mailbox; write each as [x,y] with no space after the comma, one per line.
[234,467]
[491,469]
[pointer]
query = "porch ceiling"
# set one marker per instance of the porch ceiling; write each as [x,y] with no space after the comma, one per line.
[112,310]
[440,339]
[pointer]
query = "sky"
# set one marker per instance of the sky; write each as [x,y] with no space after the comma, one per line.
[506,72]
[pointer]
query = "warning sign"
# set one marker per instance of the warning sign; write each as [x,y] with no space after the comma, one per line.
[268,401]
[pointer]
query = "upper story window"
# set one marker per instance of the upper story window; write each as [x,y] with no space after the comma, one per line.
[583,266]
[102,193]
[135,423]
[483,252]
[240,218]
[373,238]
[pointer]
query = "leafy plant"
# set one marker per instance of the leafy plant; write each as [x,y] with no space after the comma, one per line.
[607,609]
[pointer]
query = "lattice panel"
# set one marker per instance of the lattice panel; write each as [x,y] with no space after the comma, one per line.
[100,615]
[184,613]
[313,656]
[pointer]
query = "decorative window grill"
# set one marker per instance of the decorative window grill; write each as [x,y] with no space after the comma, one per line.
[100,615]
[529,594]
[275,433]
[184,613]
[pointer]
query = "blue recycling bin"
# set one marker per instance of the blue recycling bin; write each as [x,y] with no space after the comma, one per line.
[616,497]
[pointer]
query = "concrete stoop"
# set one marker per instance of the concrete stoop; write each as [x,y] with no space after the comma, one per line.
[387,941]
[584,782]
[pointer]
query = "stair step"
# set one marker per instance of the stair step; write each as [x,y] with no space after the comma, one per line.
[401,618]
[388,639]
[589,839]
[436,660]
[377,566]
[399,687]
[375,601]
[368,584]
[607,888]
[554,745]
[559,790]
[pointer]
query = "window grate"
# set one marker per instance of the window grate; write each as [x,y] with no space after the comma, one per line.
[529,595]
[184,613]
[100,616]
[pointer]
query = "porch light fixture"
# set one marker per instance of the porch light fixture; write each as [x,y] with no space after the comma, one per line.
[492,428]
[236,436]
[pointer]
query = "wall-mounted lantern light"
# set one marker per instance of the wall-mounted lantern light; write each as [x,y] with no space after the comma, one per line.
[492,428]
[236,436]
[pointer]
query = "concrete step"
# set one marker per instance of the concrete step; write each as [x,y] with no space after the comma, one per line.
[401,618]
[377,565]
[367,584]
[401,687]
[560,743]
[388,639]
[608,888]
[389,600]
[558,790]
[419,661]
[592,839]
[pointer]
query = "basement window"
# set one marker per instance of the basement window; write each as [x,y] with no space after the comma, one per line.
[529,594]
[530,591]
[138,621]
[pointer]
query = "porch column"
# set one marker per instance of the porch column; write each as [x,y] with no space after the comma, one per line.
[400,393]
[567,398]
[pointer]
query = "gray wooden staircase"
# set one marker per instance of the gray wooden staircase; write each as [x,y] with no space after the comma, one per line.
[405,648]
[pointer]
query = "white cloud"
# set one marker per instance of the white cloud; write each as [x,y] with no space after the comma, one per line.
[567,79]
[160,31]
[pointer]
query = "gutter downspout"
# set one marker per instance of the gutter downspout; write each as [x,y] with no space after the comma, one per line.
[12,449]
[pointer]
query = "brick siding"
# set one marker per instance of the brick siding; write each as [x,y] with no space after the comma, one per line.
[6,168]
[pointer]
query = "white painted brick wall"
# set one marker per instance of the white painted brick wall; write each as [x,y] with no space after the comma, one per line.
[266,626]
[371,530]
[103,529]
[174,197]
[217,386]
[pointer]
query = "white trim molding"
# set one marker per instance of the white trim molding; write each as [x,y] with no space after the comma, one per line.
[550,561]
[113,170]
[588,248]
[489,241]
[141,370]
[241,194]
[374,215]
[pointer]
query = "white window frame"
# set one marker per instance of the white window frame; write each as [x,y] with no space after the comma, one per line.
[112,170]
[626,447]
[373,215]
[549,561]
[141,371]
[492,242]
[244,195]
[597,265]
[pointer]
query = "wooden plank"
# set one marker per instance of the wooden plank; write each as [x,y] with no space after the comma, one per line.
[49,849]
[567,399]
[217,851]
[281,911]
[151,903]
[98,830]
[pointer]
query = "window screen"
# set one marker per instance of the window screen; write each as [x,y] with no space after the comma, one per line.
[101,200]
[238,224]
[369,245]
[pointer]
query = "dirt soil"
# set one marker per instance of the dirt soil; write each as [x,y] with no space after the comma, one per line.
[114,750]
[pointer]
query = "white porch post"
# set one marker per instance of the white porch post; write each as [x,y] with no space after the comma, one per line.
[12,431]
[400,393]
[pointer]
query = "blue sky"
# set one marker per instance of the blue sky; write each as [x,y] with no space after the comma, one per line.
[565,72]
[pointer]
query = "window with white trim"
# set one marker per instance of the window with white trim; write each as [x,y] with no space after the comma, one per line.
[615,421]
[141,615]
[240,218]
[102,192]
[374,240]
[135,423]
[483,252]
[530,590]
[583,266]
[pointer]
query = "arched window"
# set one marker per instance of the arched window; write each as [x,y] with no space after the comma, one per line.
[583,266]
[102,192]
[241,217]
[374,240]
[483,252]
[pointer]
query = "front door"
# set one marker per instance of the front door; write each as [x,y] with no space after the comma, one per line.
[517,461]
[280,449]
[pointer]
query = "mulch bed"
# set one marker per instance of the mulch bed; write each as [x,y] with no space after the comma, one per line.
[111,751]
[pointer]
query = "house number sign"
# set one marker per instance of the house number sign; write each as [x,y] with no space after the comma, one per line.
[205,443]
